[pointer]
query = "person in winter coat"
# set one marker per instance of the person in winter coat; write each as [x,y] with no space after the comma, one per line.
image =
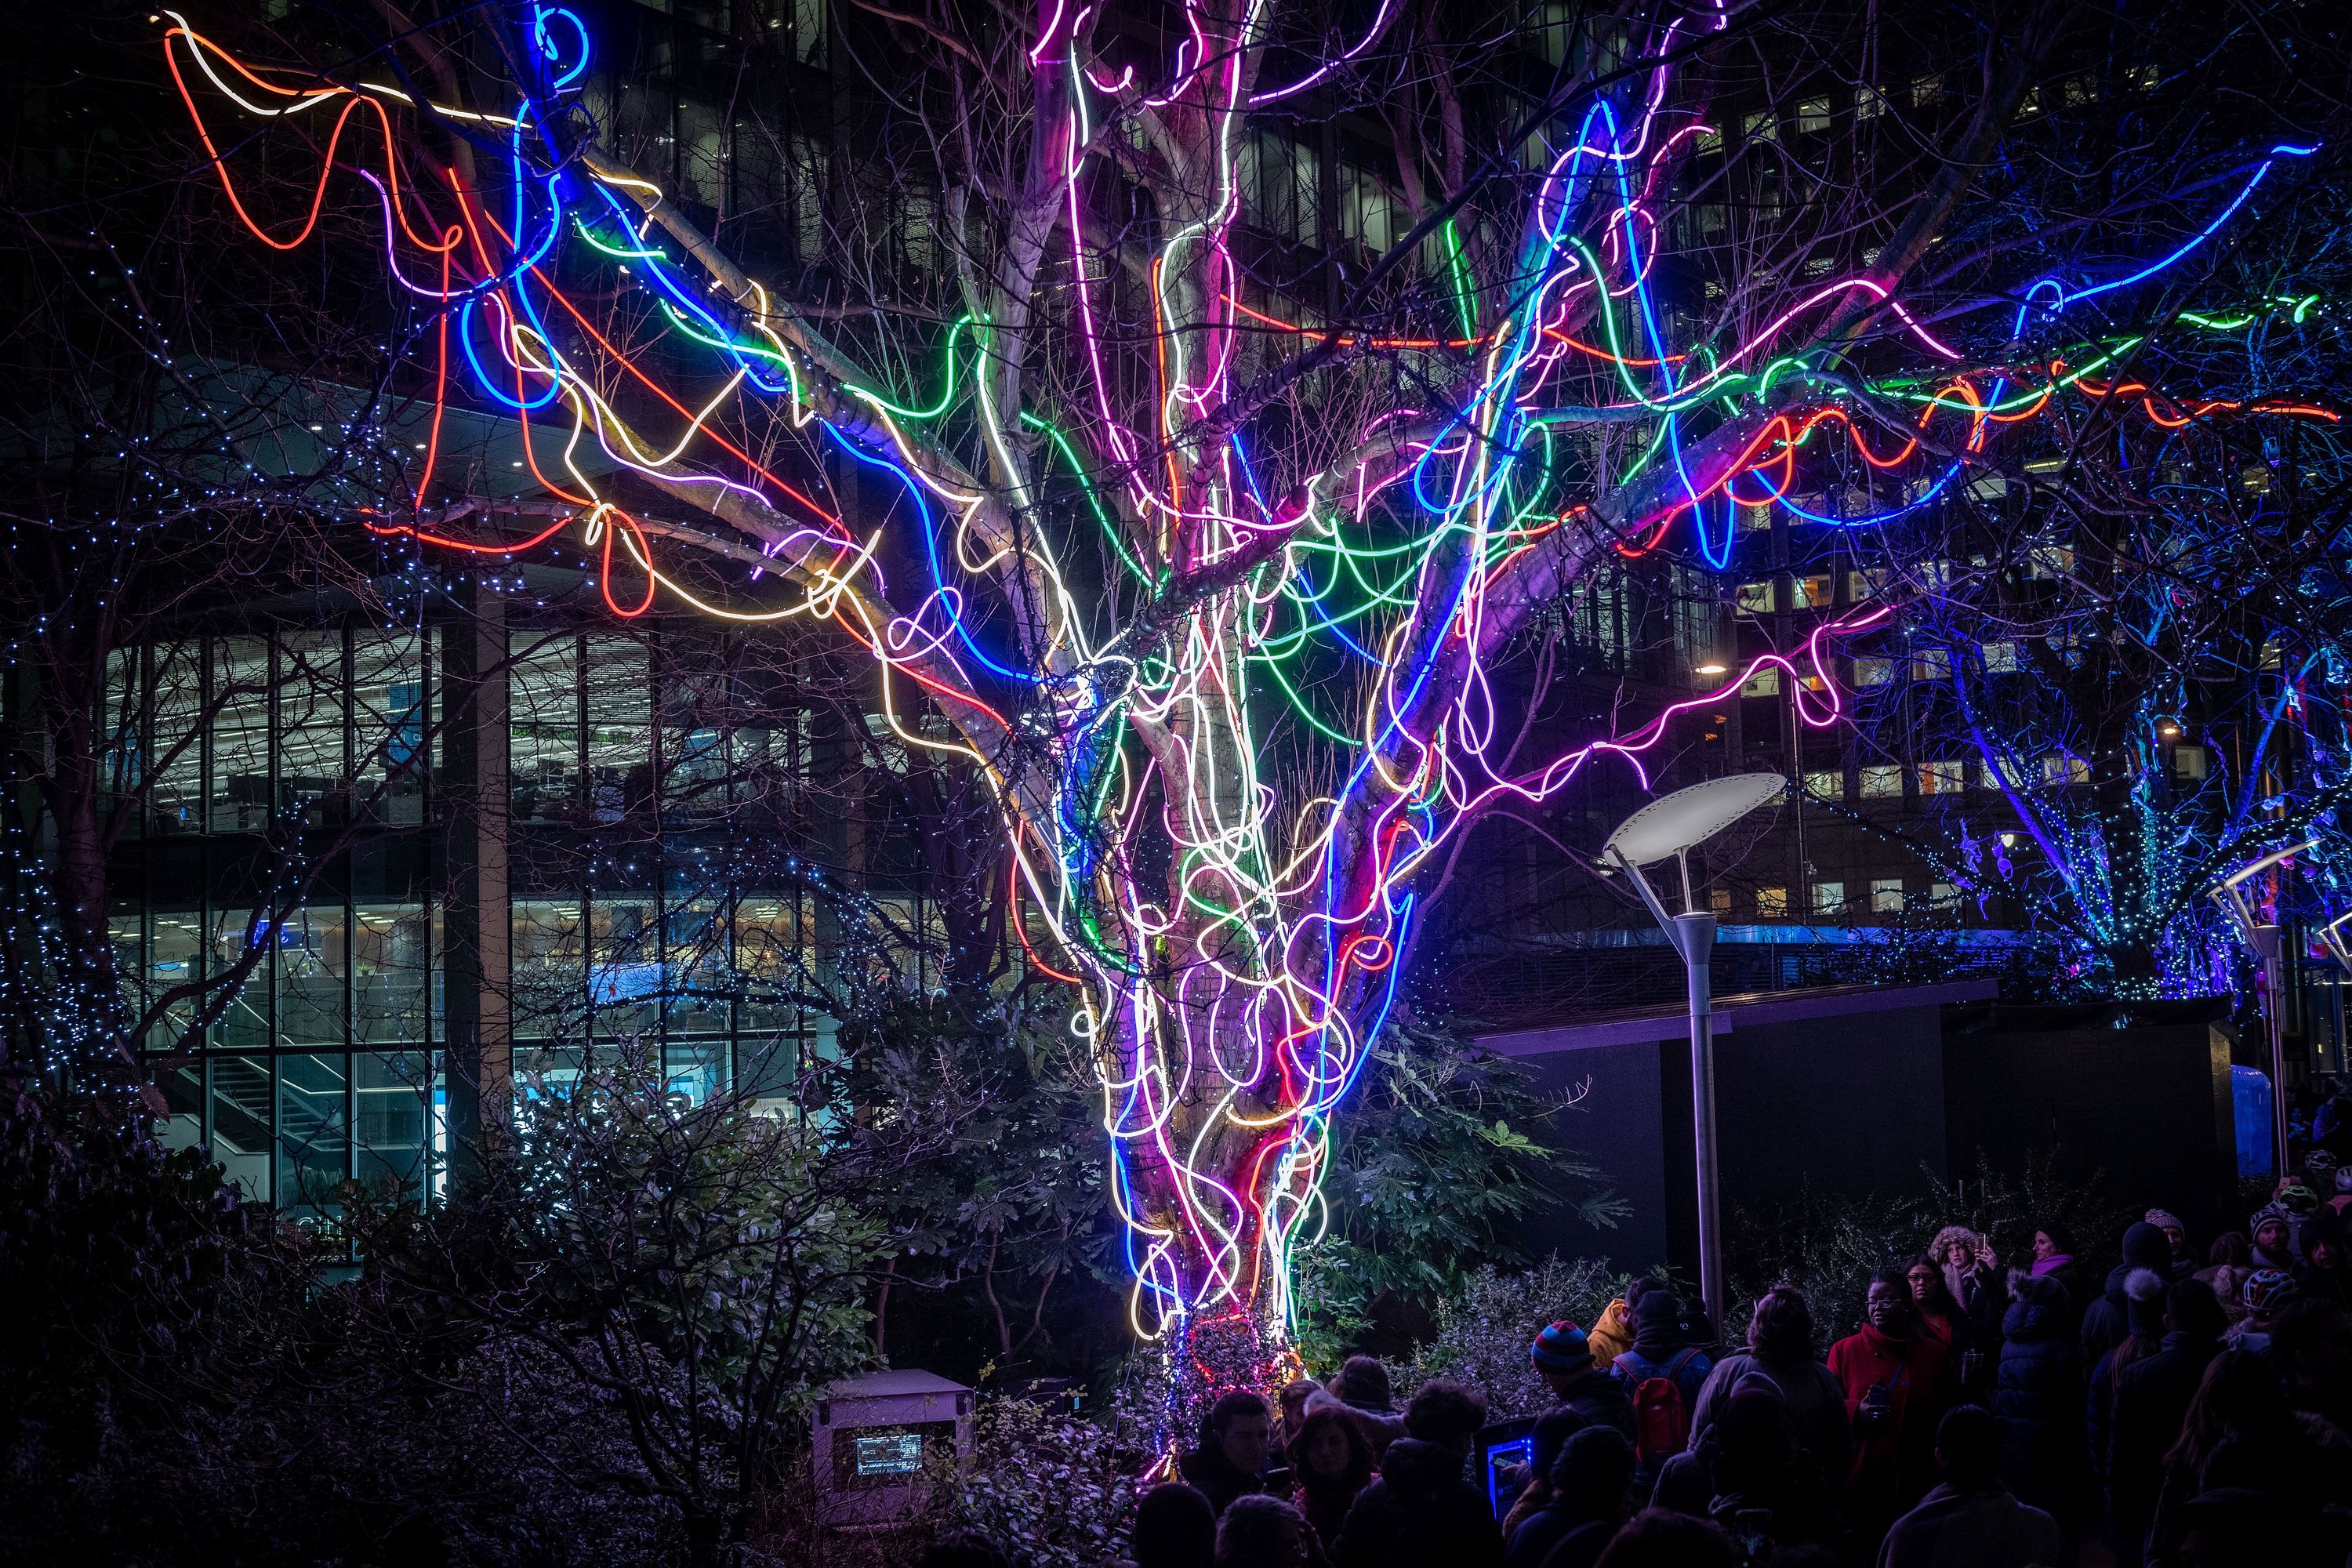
[1362,1386]
[2272,1230]
[2319,1271]
[1175,1527]
[2053,1258]
[2106,1321]
[1564,1359]
[2176,1237]
[1591,1484]
[1419,1512]
[1330,1462]
[2144,1298]
[1750,1463]
[1780,1353]
[1235,1438]
[2151,1399]
[1266,1533]
[2242,1432]
[1970,1518]
[1898,1382]
[2038,1399]
[1661,1353]
[2261,1296]
[1553,1429]
[1932,1303]
[1973,1279]
[1611,1334]
[2227,1263]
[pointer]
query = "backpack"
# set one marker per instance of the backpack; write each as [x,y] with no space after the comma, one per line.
[1661,1422]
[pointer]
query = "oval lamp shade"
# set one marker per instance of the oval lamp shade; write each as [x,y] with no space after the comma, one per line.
[1689,817]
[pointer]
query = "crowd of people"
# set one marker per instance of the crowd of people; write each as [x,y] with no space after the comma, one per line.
[2182,1411]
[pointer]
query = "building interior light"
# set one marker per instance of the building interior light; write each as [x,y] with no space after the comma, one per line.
[1711,667]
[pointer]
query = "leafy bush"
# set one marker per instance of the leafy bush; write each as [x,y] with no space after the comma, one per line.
[1442,1153]
[1484,1326]
[1048,1488]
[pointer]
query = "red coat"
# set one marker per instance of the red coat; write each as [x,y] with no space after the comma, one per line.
[1893,1458]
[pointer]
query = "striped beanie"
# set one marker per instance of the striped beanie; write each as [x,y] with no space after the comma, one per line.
[1561,1347]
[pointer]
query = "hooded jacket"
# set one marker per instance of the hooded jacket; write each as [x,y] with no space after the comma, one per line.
[1612,1336]
[2106,1322]
[2144,1315]
[2325,1284]
[2151,1401]
[1419,1514]
[2037,1395]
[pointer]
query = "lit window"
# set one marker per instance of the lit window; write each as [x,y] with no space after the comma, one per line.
[1927,91]
[1932,663]
[1948,776]
[1765,682]
[1813,114]
[1760,127]
[1755,520]
[1873,671]
[2080,90]
[1817,592]
[2059,769]
[1825,785]
[1829,897]
[1772,903]
[1719,900]
[1886,895]
[2000,658]
[1710,140]
[1754,599]
[2189,761]
[2142,79]
[1868,104]
[1943,895]
[1881,782]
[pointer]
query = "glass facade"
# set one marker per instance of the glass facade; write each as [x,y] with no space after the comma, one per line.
[638,768]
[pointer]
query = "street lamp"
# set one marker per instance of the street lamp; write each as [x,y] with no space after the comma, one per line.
[2267,942]
[1675,825]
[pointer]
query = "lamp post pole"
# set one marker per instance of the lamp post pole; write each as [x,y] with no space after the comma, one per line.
[2269,946]
[1694,938]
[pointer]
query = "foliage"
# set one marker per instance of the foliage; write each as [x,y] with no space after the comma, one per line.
[1828,1245]
[1049,1489]
[1442,1151]
[1486,1322]
[1003,1223]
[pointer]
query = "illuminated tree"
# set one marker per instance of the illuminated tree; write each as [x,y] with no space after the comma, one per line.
[1189,474]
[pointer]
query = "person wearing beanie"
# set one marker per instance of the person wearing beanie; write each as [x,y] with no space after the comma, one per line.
[2151,1398]
[1175,1527]
[1589,1482]
[2106,1322]
[2038,1398]
[2143,1291]
[2272,1230]
[1659,1352]
[2176,1235]
[1564,1359]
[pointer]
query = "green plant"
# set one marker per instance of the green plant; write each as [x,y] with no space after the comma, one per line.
[1048,1488]
[1486,1322]
[1443,1152]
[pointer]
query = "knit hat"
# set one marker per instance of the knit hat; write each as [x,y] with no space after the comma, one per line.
[2144,1303]
[2163,1219]
[1562,1348]
[2144,1246]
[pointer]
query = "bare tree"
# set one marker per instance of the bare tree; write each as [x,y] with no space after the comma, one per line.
[1190,450]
